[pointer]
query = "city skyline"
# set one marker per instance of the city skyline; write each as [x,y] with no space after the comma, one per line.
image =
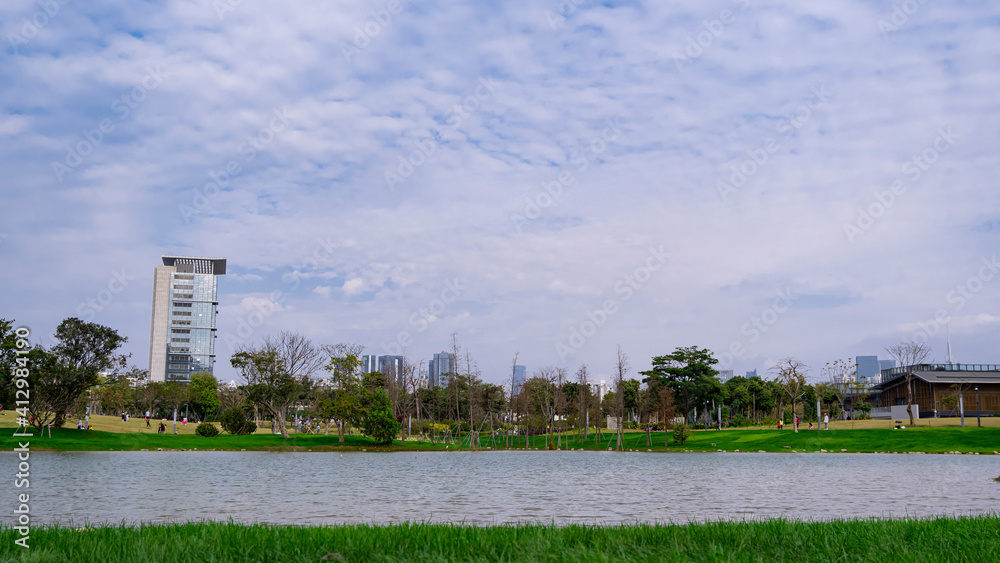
[760,179]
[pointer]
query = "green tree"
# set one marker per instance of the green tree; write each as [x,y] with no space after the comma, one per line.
[344,403]
[689,372]
[234,420]
[8,355]
[204,393]
[379,421]
[82,351]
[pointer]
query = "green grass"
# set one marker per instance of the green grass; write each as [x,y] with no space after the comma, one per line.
[943,539]
[928,440]
[71,439]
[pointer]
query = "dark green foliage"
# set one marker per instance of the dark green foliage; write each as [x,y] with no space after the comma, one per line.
[681,434]
[207,429]
[60,375]
[380,423]
[235,422]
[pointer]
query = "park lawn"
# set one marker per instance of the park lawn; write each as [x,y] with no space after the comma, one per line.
[112,434]
[942,539]
[928,440]
[71,439]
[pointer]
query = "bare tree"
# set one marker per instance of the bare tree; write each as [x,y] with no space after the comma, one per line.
[840,373]
[791,376]
[278,372]
[510,408]
[908,354]
[583,399]
[621,368]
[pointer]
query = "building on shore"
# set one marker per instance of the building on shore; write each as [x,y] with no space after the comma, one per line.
[182,329]
[937,388]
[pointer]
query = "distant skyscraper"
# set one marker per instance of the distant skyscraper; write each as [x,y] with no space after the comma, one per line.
[725,375]
[886,364]
[868,367]
[751,373]
[369,363]
[600,389]
[392,367]
[520,376]
[182,329]
[440,369]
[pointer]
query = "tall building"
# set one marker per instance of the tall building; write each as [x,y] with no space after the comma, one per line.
[520,376]
[725,375]
[868,367]
[751,373]
[441,368]
[600,389]
[392,367]
[369,363]
[182,330]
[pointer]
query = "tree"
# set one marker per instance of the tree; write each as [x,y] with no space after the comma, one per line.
[204,393]
[621,368]
[689,372]
[908,354]
[73,365]
[344,402]
[840,373]
[234,420]
[379,421]
[8,361]
[277,373]
[117,393]
[791,377]
[667,410]
[148,397]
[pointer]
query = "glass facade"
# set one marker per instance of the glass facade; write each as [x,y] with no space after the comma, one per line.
[191,341]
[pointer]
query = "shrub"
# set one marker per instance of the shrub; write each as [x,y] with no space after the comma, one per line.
[681,433]
[207,429]
[740,421]
[235,421]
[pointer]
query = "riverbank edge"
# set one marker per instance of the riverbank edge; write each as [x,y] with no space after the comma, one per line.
[959,538]
[921,442]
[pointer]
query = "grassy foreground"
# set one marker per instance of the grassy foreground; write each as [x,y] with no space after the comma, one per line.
[943,539]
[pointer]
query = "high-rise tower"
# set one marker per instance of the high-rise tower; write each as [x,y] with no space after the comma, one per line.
[185,303]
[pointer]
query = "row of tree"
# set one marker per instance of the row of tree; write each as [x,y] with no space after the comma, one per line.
[288,378]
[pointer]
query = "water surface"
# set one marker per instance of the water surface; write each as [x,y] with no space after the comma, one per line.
[499,487]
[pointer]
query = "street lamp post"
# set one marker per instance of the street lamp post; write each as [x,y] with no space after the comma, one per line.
[979,422]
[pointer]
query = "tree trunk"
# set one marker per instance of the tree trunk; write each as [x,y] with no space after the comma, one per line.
[795,419]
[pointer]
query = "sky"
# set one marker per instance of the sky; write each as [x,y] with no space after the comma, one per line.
[550,179]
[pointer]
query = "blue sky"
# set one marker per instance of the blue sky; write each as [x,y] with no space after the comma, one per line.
[764,179]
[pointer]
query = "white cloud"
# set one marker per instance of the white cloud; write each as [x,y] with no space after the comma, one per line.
[306,201]
[353,286]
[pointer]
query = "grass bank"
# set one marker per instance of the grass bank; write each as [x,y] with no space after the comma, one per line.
[984,441]
[110,433]
[942,539]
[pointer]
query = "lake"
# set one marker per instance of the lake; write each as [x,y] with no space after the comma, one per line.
[498,486]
